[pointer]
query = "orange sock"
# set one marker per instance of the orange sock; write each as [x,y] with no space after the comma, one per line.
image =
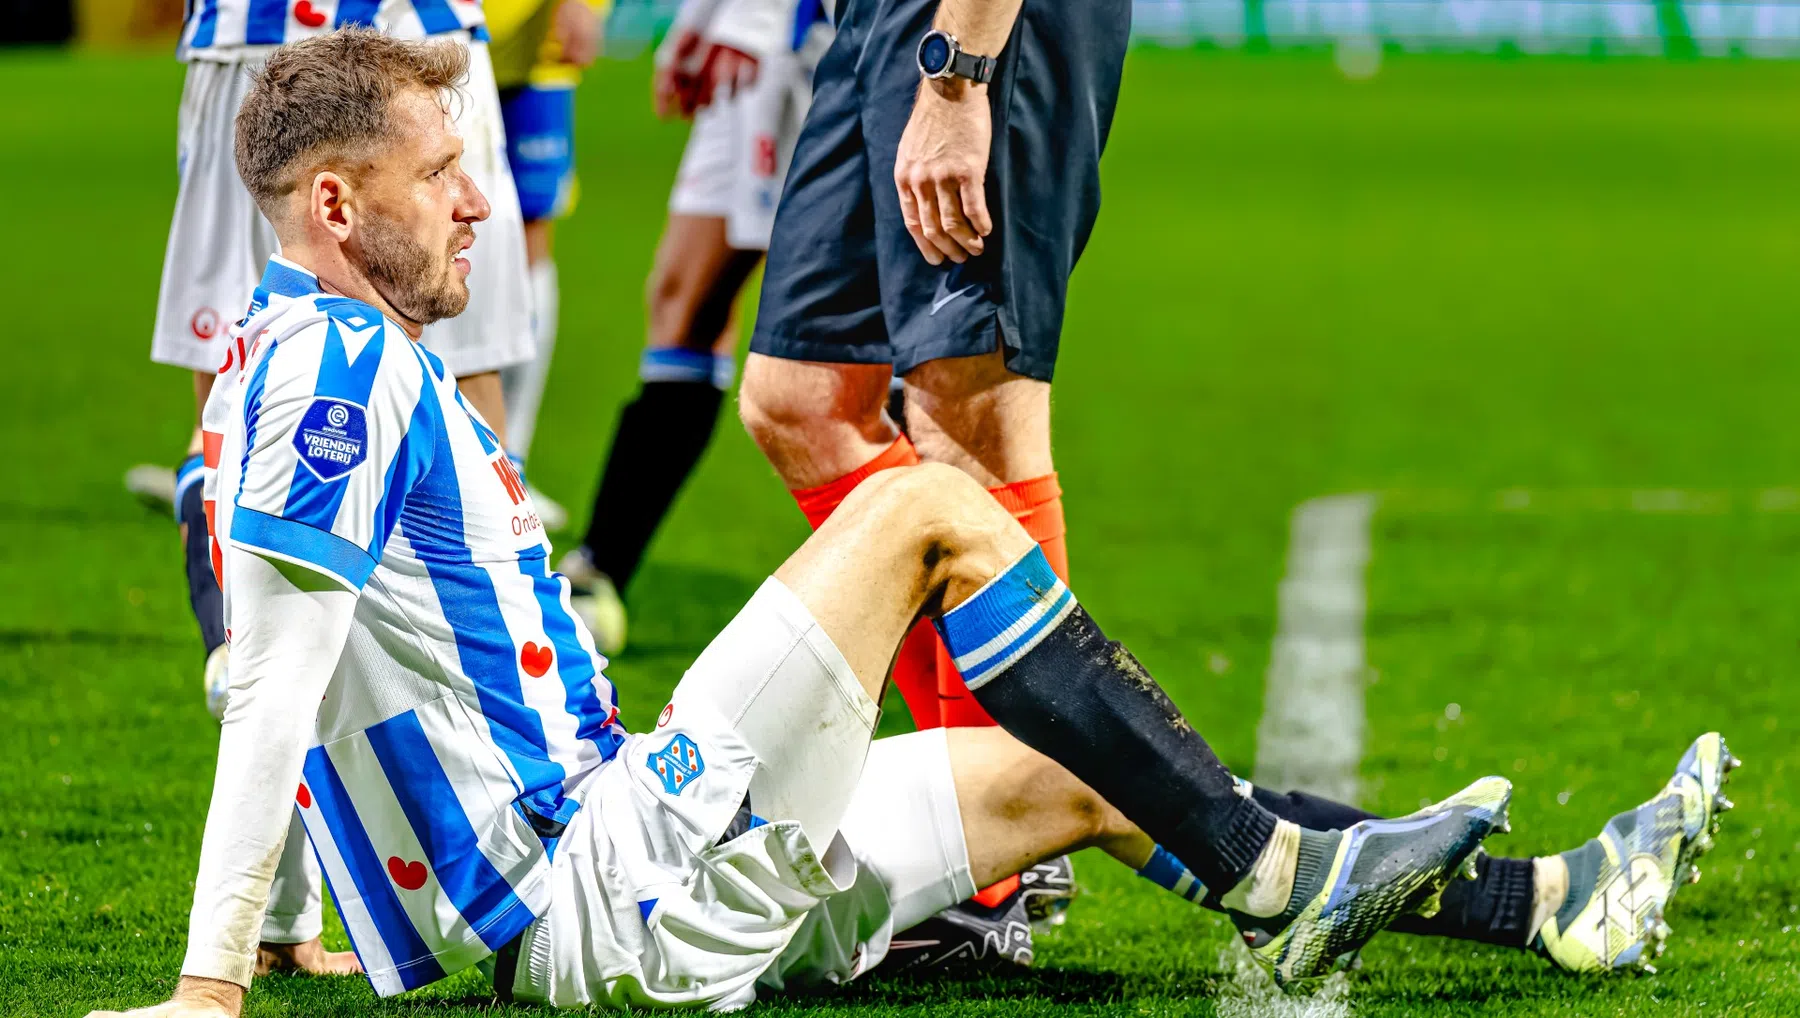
[820,502]
[915,670]
[1037,504]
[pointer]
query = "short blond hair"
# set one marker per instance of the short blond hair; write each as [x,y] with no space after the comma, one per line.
[328,101]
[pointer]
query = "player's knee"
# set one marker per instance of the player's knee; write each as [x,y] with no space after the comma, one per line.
[787,403]
[957,529]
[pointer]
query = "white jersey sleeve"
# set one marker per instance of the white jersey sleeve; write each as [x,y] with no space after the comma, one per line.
[339,424]
[759,27]
[286,647]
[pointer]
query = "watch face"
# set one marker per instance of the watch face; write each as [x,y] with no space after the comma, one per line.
[934,53]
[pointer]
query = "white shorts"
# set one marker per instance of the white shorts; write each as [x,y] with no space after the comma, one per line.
[650,910]
[738,151]
[219,241]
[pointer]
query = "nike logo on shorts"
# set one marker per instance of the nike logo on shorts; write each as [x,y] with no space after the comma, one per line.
[945,295]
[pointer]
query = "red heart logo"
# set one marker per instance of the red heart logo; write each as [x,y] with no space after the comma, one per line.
[410,875]
[308,15]
[535,659]
[304,796]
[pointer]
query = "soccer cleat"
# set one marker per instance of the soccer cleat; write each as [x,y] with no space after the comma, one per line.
[1382,869]
[550,512]
[153,485]
[1048,888]
[596,600]
[217,678]
[1621,882]
[965,935]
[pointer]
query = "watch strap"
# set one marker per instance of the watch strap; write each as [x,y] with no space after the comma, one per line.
[978,69]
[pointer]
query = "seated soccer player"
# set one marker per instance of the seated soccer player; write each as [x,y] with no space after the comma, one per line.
[408,673]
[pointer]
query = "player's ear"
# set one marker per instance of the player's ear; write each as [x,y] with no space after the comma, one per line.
[330,205]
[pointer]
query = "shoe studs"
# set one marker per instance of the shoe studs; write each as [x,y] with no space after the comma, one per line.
[1467,870]
[1722,804]
[1703,844]
[1693,874]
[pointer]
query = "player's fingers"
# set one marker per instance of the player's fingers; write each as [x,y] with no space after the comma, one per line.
[931,222]
[950,213]
[909,215]
[974,205]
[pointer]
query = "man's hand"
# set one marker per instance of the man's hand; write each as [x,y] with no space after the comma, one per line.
[724,73]
[675,84]
[193,998]
[577,29]
[309,958]
[941,170]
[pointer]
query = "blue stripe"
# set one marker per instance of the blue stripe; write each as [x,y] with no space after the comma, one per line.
[309,499]
[208,26]
[1025,641]
[253,395]
[411,463]
[1167,872]
[576,666]
[292,539]
[490,442]
[356,12]
[415,962]
[189,473]
[435,16]
[266,24]
[675,364]
[484,649]
[452,848]
[284,279]
[480,34]
[996,607]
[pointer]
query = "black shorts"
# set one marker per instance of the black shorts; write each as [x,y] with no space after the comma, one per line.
[844,281]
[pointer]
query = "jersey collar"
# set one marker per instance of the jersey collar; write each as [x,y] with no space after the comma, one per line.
[287,279]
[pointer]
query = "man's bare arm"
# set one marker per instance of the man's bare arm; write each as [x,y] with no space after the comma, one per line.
[941,168]
[289,628]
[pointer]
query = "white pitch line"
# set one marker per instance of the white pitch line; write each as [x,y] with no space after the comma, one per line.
[1311,735]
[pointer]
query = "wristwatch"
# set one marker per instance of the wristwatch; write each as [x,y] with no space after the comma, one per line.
[940,57]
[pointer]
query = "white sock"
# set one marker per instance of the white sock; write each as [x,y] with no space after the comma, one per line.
[524,383]
[1270,883]
[1549,886]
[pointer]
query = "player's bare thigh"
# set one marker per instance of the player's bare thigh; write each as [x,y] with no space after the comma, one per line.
[694,284]
[906,540]
[974,414]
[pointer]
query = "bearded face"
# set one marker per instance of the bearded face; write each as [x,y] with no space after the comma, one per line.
[423,284]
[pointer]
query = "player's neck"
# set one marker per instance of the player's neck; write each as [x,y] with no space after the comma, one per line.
[339,275]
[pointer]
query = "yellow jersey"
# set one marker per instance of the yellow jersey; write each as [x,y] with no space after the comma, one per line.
[523,48]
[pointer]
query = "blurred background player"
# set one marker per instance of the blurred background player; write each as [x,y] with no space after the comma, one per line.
[218,245]
[539,49]
[742,70]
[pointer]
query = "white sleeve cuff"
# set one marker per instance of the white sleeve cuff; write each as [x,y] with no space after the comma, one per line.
[208,962]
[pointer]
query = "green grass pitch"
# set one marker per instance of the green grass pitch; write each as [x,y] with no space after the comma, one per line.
[1464,276]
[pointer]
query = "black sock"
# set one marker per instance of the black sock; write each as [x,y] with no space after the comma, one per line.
[1311,811]
[1494,908]
[1037,662]
[204,596]
[661,436]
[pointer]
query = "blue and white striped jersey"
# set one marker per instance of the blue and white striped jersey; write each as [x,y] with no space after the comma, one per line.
[221,29]
[468,700]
